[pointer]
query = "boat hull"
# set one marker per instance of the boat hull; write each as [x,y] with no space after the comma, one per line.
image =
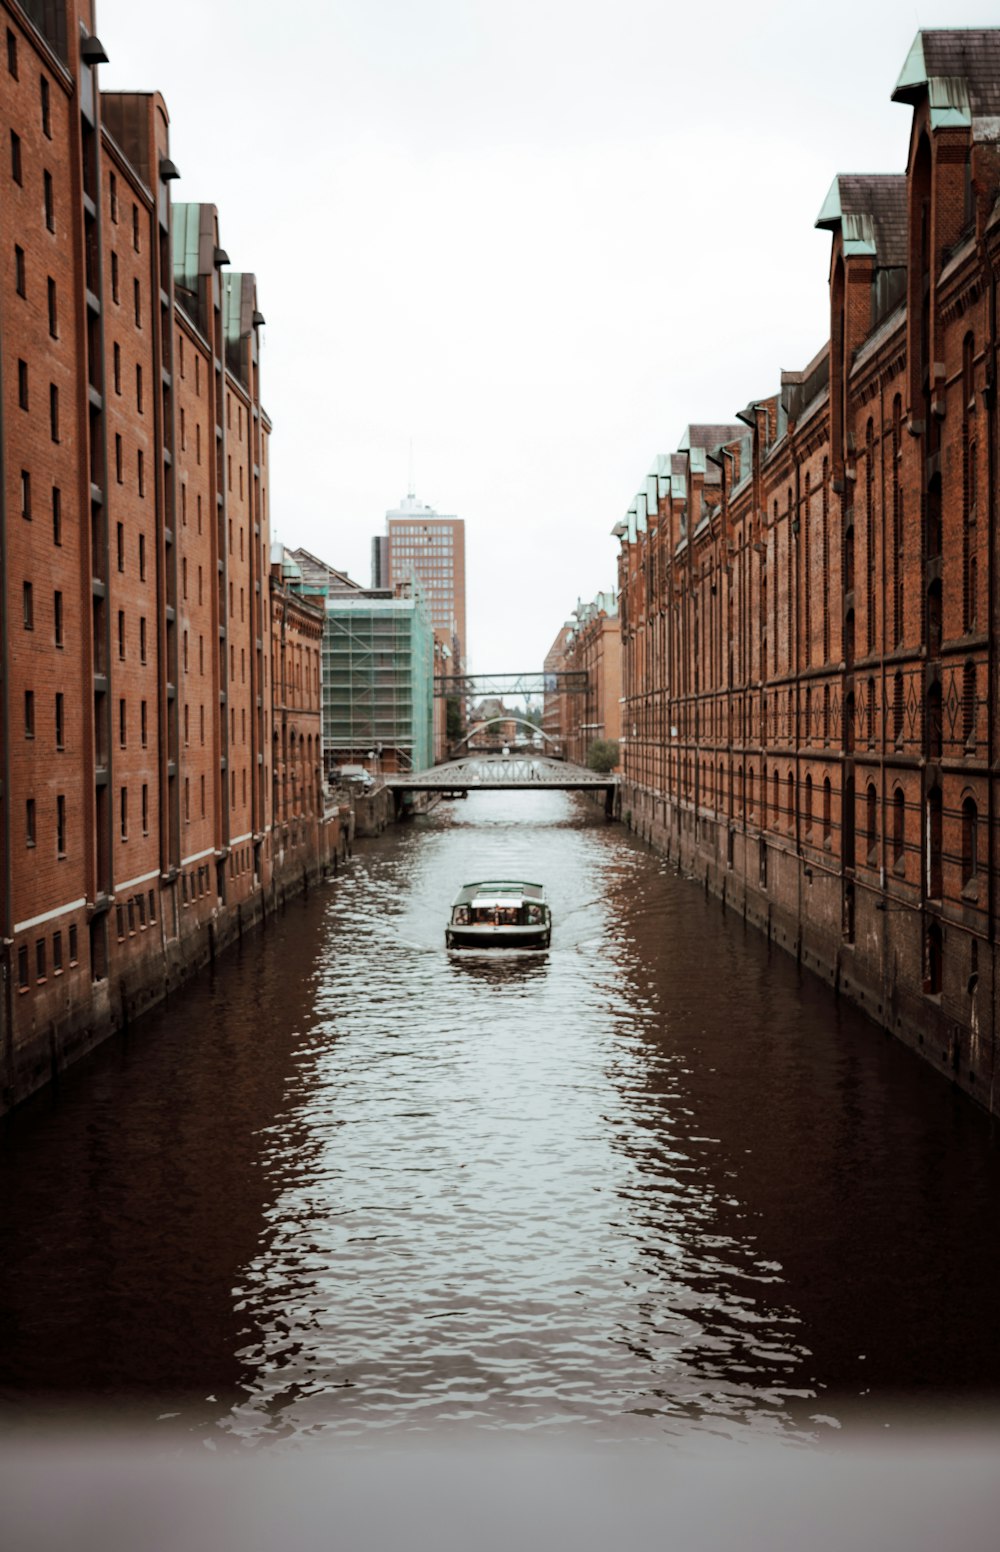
[487,937]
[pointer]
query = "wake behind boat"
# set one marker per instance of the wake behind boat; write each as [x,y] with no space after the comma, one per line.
[500,913]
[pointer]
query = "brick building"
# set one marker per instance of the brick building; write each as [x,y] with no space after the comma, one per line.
[590,643]
[135,823]
[808,602]
[297,703]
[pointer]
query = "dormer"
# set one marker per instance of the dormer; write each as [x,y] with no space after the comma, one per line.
[951,79]
[866,213]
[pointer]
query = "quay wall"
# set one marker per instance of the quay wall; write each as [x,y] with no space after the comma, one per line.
[874,957]
[169,951]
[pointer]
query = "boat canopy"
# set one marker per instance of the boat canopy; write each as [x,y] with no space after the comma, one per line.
[500,890]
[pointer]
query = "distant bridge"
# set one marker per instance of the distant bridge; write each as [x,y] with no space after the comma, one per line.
[507,773]
[572,682]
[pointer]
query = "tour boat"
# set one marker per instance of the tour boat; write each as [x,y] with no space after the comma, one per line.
[499,913]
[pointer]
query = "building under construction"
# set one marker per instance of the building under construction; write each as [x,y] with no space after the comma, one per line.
[377,670]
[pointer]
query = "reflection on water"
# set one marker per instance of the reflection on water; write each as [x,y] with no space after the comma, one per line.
[647,1181]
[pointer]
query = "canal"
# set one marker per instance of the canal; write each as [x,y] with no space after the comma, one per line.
[655,1180]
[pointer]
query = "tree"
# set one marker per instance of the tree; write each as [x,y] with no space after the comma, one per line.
[602,756]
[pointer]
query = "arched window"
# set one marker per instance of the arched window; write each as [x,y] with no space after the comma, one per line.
[807,806]
[898,829]
[935,825]
[970,841]
[827,810]
[790,785]
[871,824]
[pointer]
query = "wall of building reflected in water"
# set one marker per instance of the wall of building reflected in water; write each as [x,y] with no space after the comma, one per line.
[651,1181]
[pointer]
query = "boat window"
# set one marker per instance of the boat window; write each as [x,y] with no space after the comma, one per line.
[461,916]
[533,914]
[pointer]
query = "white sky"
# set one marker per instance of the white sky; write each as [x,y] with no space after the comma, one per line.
[536,237]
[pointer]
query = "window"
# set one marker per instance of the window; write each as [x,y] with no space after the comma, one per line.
[53,412]
[57,959]
[29,822]
[40,959]
[60,720]
[46,107]
[142,638]
[137,302]
[122,722]
[119,457]
[19,271]
[116,357]
[53,309]
[15,158]
[61,825]
[145,816]
[141,472]
[26,494]
[187,798]
[123,813]
[73,956]
[121,633]
[120,535]
[28,606]
[22,967]
[114,278]
[143,724]
[50,209]
[142,557]
[970,841]
[12,53]
[113,197]
[22,384]
[57,617]
[138,388]
[29,713]
[135,227]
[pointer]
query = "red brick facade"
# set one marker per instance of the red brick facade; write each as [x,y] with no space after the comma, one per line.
[589,643]
[137,760]
[808,603]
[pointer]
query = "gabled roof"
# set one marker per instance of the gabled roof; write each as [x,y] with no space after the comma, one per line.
[960,70]
[870,209]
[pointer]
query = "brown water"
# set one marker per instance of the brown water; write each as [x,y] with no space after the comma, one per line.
[653,1180]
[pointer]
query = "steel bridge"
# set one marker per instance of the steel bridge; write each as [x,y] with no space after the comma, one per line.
[571,682]
[506,773]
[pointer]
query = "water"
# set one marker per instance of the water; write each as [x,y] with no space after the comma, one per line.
[650,1182]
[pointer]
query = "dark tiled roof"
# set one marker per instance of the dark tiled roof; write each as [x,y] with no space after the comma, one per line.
[882,198]
[712,436]
[972,54]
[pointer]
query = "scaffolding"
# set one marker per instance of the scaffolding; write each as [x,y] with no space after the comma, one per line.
[378,680]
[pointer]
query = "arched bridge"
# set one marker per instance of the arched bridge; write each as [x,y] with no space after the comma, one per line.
[506,773]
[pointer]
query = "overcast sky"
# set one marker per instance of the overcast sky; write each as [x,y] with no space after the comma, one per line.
[536,237]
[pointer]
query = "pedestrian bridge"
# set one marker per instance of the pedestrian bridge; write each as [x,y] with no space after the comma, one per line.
[506,773]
